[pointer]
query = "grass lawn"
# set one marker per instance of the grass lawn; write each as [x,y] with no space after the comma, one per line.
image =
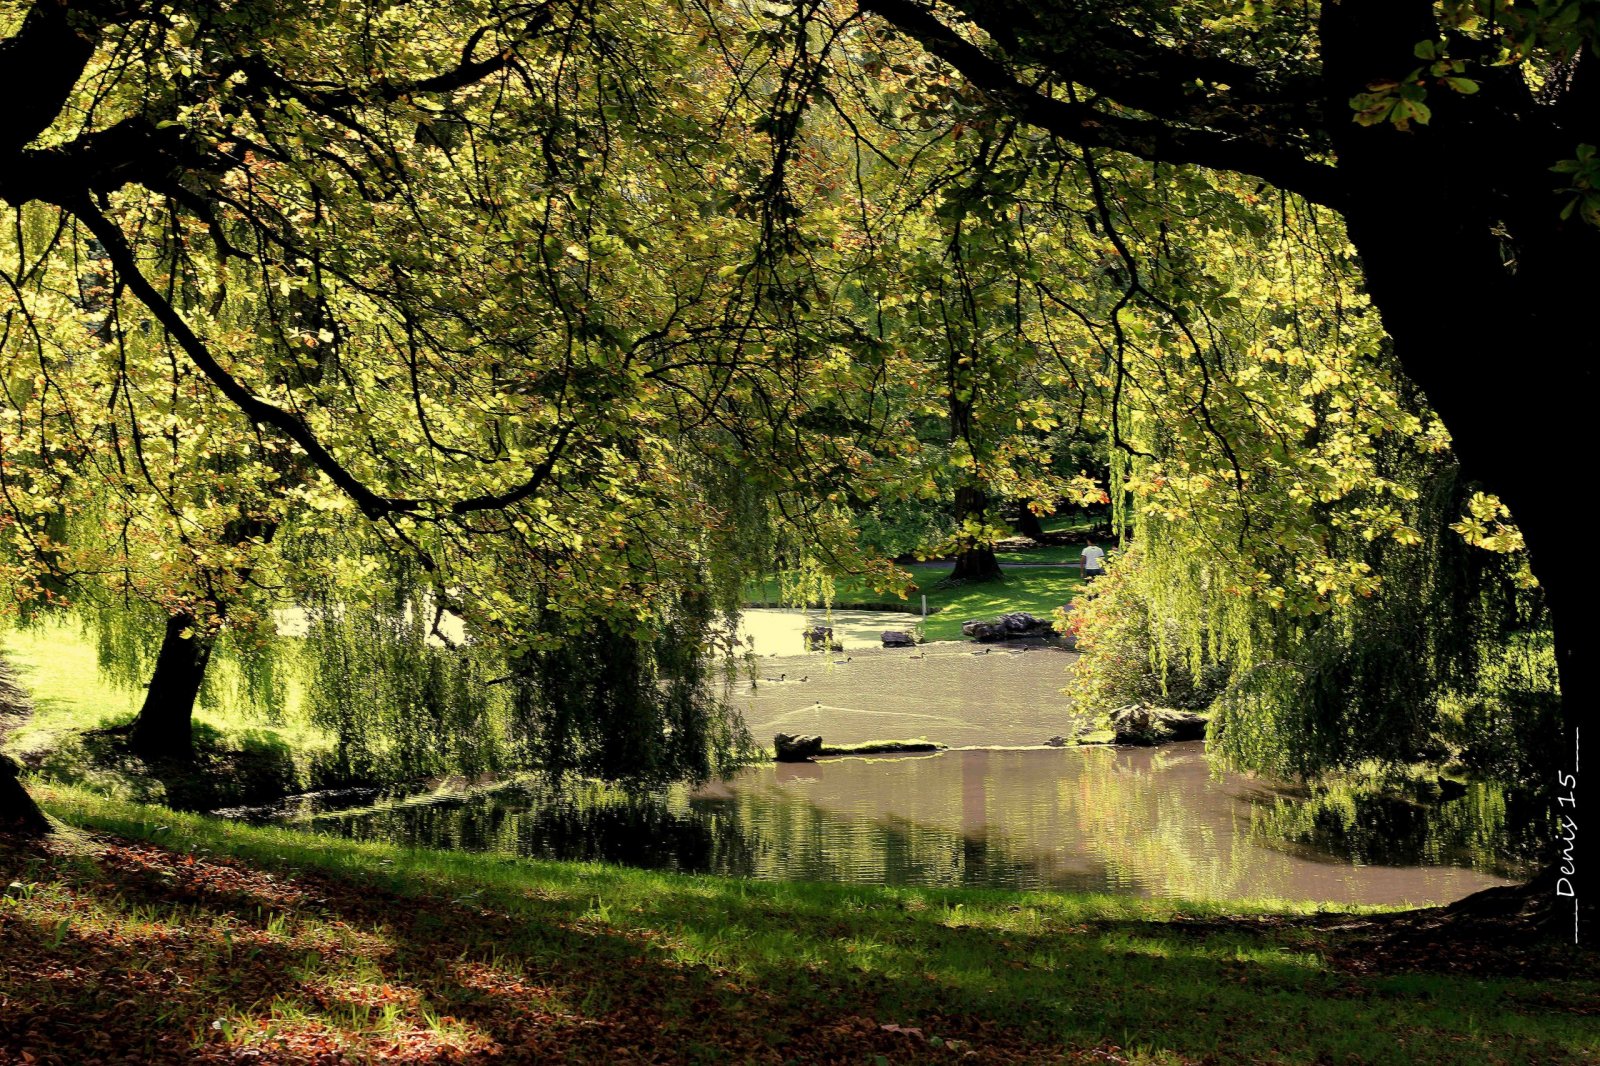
[1039,590]
[1036,590]
[174,938]
[56,666]
[243,751]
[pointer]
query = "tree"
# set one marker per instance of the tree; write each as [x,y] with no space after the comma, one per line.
[505,237]
[952,280]
[1456,141]
[151,510]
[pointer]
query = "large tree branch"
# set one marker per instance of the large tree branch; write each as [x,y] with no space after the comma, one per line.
[289,424]
[1280,163]
[469,70]
[132,152]
[1199,88]
[43,60]
[39,65]
[253,407]
[496,501]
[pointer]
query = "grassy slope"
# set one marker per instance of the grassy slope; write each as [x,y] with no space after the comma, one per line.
[56,666]
[246,753]
[1039,590]
[223,937]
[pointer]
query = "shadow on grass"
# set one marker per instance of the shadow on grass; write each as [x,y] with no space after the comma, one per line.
[232,769]
[303,948]
[138,952]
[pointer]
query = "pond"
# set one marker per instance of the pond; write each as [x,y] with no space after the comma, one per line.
[947,692]
[1149,822]
[998,810]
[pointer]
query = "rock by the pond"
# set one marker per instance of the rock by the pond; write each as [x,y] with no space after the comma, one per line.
[896,638]
[1014,624]
[787,747]
[983,631]
[1057,741]
[1139,724]
[1022,622]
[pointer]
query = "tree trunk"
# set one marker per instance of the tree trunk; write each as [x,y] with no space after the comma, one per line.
[1027,523]
[18,813]
[976,564]
[975,561]
[164,728]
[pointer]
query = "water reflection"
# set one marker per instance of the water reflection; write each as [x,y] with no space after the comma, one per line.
[1473,828]
[1147,822]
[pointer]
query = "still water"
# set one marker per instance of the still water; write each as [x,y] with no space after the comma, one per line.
[956,693]
[998,810]
[1148,822]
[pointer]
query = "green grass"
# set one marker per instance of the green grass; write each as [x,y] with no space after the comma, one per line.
[849,593]
[293,945]
[246,754]
[56,665]
[1038,590]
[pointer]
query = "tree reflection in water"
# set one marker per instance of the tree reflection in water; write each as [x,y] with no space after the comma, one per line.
[1148,822]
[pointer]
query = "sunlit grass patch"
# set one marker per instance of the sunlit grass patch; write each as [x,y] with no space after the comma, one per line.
[293,945]
[243,753]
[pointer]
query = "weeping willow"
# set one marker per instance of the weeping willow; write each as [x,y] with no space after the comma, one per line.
[1446,656]
[1296,514]
[400,705]
[641,706]
[1369,680]
[250,665]
[414,677]
[118,608]
[641,698]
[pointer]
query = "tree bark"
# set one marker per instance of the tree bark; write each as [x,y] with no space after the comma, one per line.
[975,561]
[19,815]
[1027,523]
[165,726]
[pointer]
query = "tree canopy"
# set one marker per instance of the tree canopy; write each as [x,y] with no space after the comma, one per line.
[568,318]
[1455,140]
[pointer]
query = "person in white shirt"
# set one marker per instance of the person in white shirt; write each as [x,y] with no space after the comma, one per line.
[1093,561]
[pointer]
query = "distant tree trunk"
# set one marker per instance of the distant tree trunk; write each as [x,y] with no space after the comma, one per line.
[1027,523]
[164,728]
[974,561]
[18,813]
